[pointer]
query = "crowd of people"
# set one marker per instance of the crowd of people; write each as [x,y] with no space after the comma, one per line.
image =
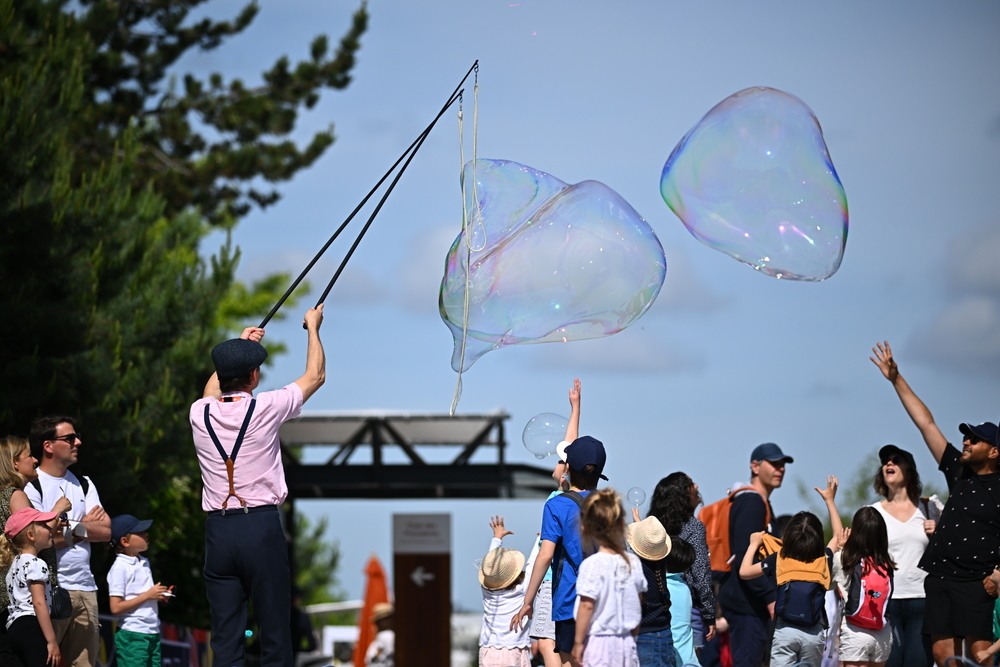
[911,582]
[49,606]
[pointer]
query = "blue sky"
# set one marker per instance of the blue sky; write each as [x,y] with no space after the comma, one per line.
[726,358]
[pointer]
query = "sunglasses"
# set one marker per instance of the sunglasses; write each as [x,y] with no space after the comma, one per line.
[898,459]
[69,438]
[973,439]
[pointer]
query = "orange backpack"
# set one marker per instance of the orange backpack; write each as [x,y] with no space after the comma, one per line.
[716,520]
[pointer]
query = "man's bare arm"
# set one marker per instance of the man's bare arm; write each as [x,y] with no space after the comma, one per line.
[98,525]
[315,374]
[919,413]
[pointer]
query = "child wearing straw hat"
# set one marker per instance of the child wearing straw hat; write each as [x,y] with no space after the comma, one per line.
[649,541]
[503,578]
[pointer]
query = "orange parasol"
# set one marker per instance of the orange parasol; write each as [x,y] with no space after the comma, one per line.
[376,591]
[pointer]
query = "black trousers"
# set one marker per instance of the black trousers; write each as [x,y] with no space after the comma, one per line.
[27,641]
[246,558]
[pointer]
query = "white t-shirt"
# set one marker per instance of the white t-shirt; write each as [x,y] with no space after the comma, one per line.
[74,561]
[615,587]
[24,570]
[130,577]
[907,543]
[499,606]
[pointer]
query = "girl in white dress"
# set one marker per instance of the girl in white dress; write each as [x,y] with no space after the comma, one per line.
[608,588]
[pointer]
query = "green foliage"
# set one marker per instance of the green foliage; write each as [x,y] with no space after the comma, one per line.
[316,562]
[108,187]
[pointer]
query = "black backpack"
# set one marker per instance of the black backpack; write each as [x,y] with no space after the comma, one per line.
[801,603]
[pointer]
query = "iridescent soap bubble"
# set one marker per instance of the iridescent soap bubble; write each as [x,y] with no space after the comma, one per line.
[636,496]
[754,180]
[543,432]
[551,262]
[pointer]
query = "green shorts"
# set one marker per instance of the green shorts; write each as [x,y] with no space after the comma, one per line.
[137,649]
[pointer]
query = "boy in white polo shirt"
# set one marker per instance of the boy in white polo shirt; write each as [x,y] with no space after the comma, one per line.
[134,596]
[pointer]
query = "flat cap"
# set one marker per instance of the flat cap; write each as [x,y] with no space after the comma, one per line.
[237,357]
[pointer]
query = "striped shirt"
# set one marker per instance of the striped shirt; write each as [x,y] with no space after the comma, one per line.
[257,472]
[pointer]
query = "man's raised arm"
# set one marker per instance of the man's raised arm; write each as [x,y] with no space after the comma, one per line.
[918,412]
[315,374]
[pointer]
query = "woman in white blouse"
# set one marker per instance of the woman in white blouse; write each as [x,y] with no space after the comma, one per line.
[910,521]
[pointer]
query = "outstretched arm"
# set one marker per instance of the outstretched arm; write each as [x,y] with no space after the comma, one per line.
[315,374]
[829,494]
[918,412]
[573,427]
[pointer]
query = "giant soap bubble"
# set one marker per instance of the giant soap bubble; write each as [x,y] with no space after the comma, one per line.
[550,261]
[754,180]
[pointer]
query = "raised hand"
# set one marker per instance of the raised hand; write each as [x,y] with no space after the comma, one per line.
[830,492]
[574,394]
[252,333]
[883,359]
[499,532]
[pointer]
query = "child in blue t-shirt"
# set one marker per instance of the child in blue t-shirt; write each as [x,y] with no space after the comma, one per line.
[561,547]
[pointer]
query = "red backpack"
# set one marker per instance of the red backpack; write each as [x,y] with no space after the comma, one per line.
[716,520]
[868,596]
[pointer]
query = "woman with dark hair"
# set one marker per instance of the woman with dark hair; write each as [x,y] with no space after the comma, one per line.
[908,524]
[674,501]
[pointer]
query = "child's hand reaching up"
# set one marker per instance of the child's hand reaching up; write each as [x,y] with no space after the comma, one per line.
[839,539]
[635,515]
[756,539]
[499,532]
[830,492]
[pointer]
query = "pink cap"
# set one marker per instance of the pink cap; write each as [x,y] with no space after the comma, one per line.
[23,518]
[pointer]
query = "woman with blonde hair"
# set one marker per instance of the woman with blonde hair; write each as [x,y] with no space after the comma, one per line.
[17,469]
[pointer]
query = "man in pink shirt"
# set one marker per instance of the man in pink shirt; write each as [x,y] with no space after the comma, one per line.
[236,439]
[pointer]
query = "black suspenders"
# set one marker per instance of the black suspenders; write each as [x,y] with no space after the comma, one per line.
[229,459]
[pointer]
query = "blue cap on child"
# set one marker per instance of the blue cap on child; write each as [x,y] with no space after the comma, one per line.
[125,524]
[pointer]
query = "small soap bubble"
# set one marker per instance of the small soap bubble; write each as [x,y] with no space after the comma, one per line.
[543,432]
[636,496]
[754,179]
[550,262]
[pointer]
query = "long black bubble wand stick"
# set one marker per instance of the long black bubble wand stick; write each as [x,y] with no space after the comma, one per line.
[411,152]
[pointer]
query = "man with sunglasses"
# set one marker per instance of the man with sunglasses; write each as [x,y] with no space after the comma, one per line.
[55,442]
[964,549]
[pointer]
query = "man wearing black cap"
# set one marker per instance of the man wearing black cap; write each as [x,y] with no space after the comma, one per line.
[236,439]
[964,548]
[748,604]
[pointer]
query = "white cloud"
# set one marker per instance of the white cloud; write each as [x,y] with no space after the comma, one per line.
[684,292]
[964,335]
[640,352]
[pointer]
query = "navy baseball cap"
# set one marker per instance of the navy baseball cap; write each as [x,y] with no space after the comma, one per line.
[987,431]
[125,524]
[769,452]
[585,451]
[237,357]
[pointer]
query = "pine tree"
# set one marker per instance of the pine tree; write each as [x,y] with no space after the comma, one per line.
[109,183]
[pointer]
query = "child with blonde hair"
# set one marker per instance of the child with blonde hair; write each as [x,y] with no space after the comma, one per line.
[29,625]
[608,588]
[504,579]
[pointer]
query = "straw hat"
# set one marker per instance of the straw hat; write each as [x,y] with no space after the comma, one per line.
[500,568]
[648,539]
[382,610]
